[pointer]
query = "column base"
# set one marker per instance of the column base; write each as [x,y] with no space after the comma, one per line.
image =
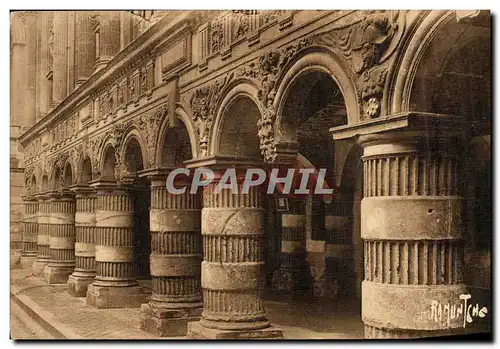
[38,267]
[57,274]
[326,287]
[106,297]
[27,260]
[371,332]
[77,285]
[196,331]
[289,281]
[15,258]
[167,322]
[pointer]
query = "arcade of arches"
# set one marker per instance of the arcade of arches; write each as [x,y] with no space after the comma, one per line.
[396,105]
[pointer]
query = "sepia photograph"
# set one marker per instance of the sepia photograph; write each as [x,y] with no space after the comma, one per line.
[251,174]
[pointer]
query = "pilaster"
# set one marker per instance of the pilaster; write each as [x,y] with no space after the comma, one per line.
[85,48]
[60,57]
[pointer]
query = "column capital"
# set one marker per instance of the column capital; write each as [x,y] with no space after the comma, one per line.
[29,198]
[42,196]
[222,162]
[438,126]
[81,190]
[53,194]
[103,185]
[157,172]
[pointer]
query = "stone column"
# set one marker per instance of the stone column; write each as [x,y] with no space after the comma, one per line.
[84,46]
[60,57]
[115,285]
[357,241]
[412,231]
[43,241]
[338,277]
[45,62]
[175,259]
[30,230]
[62,238]
[84,272]
[109,37]
[232,271]
[292,273]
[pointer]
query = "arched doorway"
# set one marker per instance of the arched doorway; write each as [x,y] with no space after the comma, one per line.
[312,104]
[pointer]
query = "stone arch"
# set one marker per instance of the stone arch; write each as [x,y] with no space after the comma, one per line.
[33,188]
[56,177]
[108,162]
[183,121]
[318,59]
[68,174]
[241,98]
[85,170]
[45,183]
[430,56]
[134,151]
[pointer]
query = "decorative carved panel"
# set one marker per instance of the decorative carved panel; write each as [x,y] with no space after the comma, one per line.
[367,43]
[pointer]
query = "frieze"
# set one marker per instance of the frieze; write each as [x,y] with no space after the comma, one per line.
[367,43]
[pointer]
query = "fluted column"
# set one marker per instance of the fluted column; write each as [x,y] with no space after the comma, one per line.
[291,275]
[84,272]
[412,231]
[108,36]
[30,230]
[60,57]
[62,238]
[175,259]
[43,240]
[115,285]
[45,27]
[85,48]
[232,271]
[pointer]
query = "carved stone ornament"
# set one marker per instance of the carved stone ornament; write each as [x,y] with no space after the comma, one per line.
[117,133]
[203,103]
[93,147]
[149,124]
[216,35]
[51,42]
[76,159]
[367,43]
[241,23]
[267,71]
[28,175]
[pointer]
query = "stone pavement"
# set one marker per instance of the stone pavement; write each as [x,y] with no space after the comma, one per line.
[63,316]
